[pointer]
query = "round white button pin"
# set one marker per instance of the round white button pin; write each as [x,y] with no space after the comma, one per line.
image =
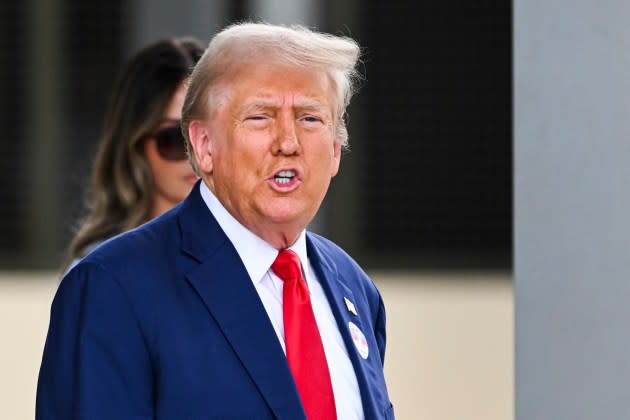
[359,340]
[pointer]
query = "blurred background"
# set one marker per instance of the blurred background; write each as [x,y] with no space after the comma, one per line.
[423,200]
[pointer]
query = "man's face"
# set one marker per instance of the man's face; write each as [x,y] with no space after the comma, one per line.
[269,153]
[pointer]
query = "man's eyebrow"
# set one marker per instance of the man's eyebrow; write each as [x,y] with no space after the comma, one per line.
[303,104]
[309,104]
[259,104]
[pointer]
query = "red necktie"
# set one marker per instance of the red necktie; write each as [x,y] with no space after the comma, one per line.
[305,352]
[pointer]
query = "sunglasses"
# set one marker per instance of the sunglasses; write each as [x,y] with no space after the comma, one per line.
[170,143]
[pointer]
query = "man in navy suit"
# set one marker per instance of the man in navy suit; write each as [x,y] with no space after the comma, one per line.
[191,315]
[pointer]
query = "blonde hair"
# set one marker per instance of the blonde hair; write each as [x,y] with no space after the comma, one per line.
[291,45]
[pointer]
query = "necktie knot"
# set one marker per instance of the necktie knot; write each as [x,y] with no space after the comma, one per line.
[287,265]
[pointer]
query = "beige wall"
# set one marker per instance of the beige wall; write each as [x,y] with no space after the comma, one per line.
[450,345]
[449,356]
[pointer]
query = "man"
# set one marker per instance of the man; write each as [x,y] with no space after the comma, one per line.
[225,307]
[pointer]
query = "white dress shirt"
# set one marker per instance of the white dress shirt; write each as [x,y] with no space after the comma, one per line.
[257,256]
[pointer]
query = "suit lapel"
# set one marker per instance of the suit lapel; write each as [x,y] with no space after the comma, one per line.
[231,299]
[335,291]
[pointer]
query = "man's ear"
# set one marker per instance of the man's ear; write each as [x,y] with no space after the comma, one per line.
[336,158]
[199,134]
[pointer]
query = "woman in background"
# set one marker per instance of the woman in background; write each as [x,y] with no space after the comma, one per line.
[141,168]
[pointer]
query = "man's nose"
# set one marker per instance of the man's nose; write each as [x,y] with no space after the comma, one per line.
[287,138]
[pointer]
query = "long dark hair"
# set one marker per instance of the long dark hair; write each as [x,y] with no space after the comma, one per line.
[119,194]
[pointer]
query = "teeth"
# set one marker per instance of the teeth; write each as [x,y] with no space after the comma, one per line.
[285,174]
[284,177]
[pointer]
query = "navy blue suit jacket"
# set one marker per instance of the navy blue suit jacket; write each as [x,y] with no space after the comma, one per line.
[163,322]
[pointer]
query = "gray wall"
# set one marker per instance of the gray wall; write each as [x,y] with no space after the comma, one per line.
[162,18]
[572,209]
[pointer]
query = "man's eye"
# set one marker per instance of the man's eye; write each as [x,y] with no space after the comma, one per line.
[256,122]
[257,119]
[310,118]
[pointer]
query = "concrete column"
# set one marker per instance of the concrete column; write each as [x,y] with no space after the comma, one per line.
[304,12]
[154,19]
[572,209]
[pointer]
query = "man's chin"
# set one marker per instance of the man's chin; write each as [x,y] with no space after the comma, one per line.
[287,214]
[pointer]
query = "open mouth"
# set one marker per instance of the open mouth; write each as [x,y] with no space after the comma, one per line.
[284,177]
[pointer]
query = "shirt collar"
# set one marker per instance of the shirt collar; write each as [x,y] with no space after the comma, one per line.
[256,254]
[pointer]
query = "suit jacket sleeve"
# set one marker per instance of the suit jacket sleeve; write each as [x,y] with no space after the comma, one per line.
[379,329]
[95,364]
